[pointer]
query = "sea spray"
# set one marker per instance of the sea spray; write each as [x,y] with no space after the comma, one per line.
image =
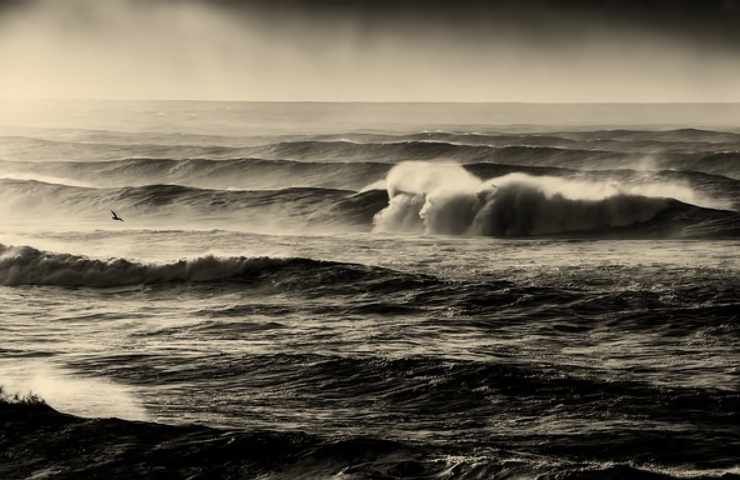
[447,199]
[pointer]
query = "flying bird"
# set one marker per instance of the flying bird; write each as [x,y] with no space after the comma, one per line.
[115,216]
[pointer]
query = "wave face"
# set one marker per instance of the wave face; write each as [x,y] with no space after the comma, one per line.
[114,448]
[26,265]
[447,199]
[41,202]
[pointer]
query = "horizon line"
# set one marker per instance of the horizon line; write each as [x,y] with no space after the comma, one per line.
[378,102]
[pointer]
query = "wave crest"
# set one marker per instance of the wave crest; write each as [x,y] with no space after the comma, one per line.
[24,265]
[447,199]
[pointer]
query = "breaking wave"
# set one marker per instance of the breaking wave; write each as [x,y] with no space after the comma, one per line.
[418,197]
[448,199]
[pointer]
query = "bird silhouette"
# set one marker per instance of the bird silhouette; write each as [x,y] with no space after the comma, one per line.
[115,216]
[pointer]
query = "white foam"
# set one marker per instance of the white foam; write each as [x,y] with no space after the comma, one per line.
[446,198]
[69,393]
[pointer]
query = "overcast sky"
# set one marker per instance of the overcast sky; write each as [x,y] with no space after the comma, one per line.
[537,51]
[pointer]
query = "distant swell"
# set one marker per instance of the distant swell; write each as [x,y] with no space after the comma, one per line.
[684,149]
[588,156]
[241,173]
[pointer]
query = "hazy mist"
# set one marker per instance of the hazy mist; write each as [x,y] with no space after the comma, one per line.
[126,49]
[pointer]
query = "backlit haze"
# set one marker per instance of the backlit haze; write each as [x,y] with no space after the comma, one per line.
[369,51]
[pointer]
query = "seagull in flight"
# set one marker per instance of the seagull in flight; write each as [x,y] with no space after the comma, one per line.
[115,216]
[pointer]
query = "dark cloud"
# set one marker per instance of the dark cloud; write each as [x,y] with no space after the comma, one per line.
[705,21]
[403,50]
[9,4]
[711,22]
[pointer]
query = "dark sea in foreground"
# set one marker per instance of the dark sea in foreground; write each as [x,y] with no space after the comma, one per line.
[369,291]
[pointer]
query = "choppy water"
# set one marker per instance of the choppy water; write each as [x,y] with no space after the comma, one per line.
[545,302]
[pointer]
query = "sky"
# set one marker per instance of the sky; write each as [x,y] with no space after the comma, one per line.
[373,50]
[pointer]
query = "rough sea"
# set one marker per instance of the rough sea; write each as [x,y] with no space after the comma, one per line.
[369,291]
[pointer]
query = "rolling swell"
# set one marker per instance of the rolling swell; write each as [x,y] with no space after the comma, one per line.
[687,149]
[26,265]
[243,173]
[36,438]
[290,207]
[36,149]
[247,173]
[687,139]
[712,161]
[679,135]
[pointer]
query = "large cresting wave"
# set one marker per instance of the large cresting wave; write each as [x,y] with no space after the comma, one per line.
[447,199]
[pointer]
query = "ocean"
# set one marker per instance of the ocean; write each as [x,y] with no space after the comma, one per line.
[356,291]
